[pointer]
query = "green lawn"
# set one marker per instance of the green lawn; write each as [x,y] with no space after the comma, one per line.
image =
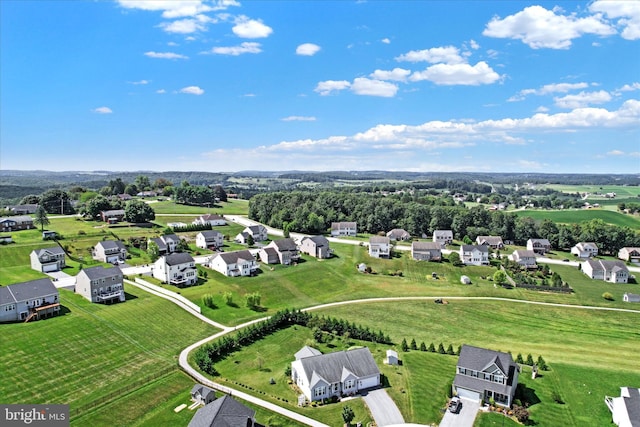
[230,207]
[620,190]
[574,216]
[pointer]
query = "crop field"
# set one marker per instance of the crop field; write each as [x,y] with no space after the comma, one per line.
[575,216]
[620,190]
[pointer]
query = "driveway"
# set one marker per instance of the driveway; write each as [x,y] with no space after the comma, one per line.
[383,408]
[465,417]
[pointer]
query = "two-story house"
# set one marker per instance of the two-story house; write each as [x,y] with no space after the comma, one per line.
[629,254]
[111,251]
[167,244]
[539,246]
[257,232]
[286,251]
[177,269]
[526,258]
[236,263]
[345,228]
[100,284]
[585,250]
[210,219]
[609,271]
[483,374]
[379,246]
[426,251]
[32,300]
[316,246]
[444,237]
[48,259]
[209,239]
[398,234]
[16,223]
[342,373]
[474,254]
[494,242]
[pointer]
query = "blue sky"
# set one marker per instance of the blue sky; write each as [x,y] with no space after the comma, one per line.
[225,85]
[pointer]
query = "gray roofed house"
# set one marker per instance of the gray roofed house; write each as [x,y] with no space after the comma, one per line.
[23,209]
[48,259]
[100,284]
[524,258]
[286,250]
[398,234]
[113,215]
[307,351]
[585,249]
[110,251]
[210,219]
[629,254]
[335,374]
[269,255]
[426,251]
[317,246]
[344,228]
[474,254]
[629,297]
[444,237]
[202,394]
[379,246]
[609,271]
[224,412]
[539,246]
[482,374]
[494,242]
[209,239]
[15,223]
[236,263]
[257,232]
[176,269]
[167,244]
[35,299]
[625,409]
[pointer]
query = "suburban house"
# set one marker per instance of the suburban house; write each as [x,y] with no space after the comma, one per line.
[209,239]
[167,244]
[474,254]
[100,284]
[16,223]
[444,237]
[585,250]
[224,412]
[341,373]
[32,300]
[268,255]
[625,409]
[495,242]
[426,251]
[629,297]
[177,269]
[316,246]
[399,234]
[524,258]
[23,209]
[210,219]
[257,232]
[48,259]
[236,263]
[110,251]
[339,229]
[379,247]
[629,254]
[539,246]
[609,271]
[124,197]
[202,394]
[482,374]
[112,216]
[286,251]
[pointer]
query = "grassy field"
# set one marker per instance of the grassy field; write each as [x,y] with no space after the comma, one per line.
[231,207]
[94,352]
[574,216]
[620,190]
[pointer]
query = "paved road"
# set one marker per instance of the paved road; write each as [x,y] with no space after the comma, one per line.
[383,408]
[465,417]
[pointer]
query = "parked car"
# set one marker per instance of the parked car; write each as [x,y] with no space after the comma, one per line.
[454,405]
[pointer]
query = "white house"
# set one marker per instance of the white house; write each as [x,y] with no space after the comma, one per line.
[609,271]
[236,263]
[335,374]
[539,246]
[210,219]
[167,244]
[524,258]
[285,250]
[474,254]
[99,284]
[426,251]
[629,254]
[110,251]
[339,229]
[209,239]
[444,237]
[379,246]
[585,250]
[629,297]
[48,259]
[32,300]
[495,242]
[257,232]
[177,269]
[316,246]
[625,410]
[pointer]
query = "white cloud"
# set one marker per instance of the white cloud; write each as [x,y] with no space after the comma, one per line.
[186,26]
[139,82]
[329,86]
[192,90]
[542,109]
[102,110]
[397,74]
[583,99]
[548,89]
[627,13]
[365,86]
[307,49]
[538,28]
[298,119]
[172,44]
[457,74]
[250,28]
[629,88]
[474,44]
[172,9]
[245,47]
[446,54]
[615,153]
[161,91]
[165,55]
[386,40]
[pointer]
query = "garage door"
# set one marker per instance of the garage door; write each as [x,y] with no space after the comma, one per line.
[112,259]
[468,394]
[50,267]
[368,382]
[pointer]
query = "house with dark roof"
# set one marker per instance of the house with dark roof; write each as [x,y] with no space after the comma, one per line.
[210,219]
[345,228]
[316,246]
[236,263]
[474,254]
[112,216]
[167,244]
[286,251]
[526,258]
[483,374]
[625,409]
[224,412]
[16,223]
[23,209]
[268,255]
[48,259]
[494,242]
[426,251]
[444,237]
[100,284]
[202,394]
[111,251]
[398,234]
[379,247]
[629,254]
[177,269]
[609,271]
[32,300]
[321,376]
[209,239]
[539,246]
[585,250]
[257,232]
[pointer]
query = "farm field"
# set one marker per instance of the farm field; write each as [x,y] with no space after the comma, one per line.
[620,190]
[574,216]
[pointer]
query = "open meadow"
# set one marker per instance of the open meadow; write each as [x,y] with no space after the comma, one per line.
[576,216]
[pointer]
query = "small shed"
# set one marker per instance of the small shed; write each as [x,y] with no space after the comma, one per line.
[48,234]
[465,280]
[362,267]
[202,394]
[6,239]
[392,358]
[629,297]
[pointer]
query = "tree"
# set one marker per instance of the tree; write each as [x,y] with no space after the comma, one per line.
[454,259]
[542,364]
[219,193]
[138,211]
[131,189]
[250,241]
[450,350]
[521,413]
[441,349]
[96,205]
[500,277]
[423,346]
[56,202]
[413,345]
[404,346]
[30,199]
[153,250]
[143,183]
[467,240]
[432,348]
[529,360]
[116,186]
[519,359]
[347,414]
[41,217]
